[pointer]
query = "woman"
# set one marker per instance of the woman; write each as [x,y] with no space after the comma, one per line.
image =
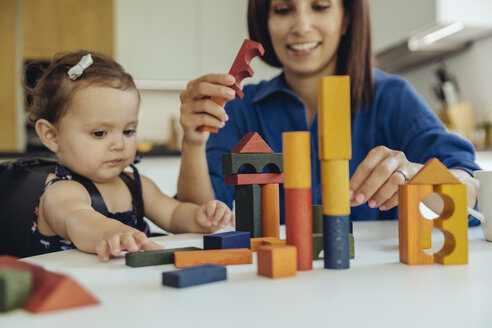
[393,131]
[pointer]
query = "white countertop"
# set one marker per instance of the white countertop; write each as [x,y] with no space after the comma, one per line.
[377,291]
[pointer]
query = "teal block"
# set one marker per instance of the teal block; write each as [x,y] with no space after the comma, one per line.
[157,257]
[15,288]
[248,209]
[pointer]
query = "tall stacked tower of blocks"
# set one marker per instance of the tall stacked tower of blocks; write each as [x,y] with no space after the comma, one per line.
[414,229]
[335,150]
[256,193]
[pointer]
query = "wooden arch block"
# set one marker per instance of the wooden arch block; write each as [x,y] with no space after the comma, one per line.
[412,226]
[453,222]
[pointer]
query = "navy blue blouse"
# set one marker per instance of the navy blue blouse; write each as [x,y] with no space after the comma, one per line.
[398,118]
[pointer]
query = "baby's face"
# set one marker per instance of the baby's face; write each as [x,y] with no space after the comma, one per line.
[97,135]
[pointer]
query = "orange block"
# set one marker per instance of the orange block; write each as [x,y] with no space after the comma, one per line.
[412,226]
[299,225]
[257,242]
[434,173]
[185,259]
[206,128]
[334,118]
[270,210]
[277,261]
[51,291]
[277,242]
[453,222]
[296,159]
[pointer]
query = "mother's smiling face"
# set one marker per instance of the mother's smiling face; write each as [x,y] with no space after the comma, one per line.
[305,35]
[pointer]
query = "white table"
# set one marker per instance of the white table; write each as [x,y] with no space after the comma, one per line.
[377,291]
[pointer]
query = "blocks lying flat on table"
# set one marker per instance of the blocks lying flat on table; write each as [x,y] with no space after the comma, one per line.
[277,261]
[15,288]
[213,256]
[227,240]
[157,257]
[193,276]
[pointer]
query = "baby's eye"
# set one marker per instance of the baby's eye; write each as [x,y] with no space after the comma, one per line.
[129,132]
[99,134]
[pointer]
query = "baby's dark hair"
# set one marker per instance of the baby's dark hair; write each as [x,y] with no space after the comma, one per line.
[52,93]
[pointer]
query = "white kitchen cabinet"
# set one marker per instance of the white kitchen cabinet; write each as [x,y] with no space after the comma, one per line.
[180,40]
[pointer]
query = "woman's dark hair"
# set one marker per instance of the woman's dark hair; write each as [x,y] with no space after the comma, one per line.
[354,51]
[51,94]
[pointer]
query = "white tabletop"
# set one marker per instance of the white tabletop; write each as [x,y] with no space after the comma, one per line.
[377,291]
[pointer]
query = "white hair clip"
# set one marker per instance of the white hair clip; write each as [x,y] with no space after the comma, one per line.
[78,69]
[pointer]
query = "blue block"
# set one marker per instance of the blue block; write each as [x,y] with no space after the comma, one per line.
[226,240]
[336,242]
[193,276]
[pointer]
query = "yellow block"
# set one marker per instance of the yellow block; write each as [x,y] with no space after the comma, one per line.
[334,118]
[453,222]
[335,187]
[297,159]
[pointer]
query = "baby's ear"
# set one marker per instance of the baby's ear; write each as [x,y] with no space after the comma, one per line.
[47,133]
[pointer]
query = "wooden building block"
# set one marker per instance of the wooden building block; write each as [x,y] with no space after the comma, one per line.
[51,291]
[336,242]
[240,69]
[213,256]
[257,242]
[277,261]
[334,118]
[453,222]
[335,187]
[251,143]
[270,210]
[248,209]
[256,178]
[157,257]
[15,288]
[197,275]
[299,224]
[352,246]
[253,163]
[317,218]
[317,245]
[433,173]
[412,226]
[226,240]
[297,159]
[276,242]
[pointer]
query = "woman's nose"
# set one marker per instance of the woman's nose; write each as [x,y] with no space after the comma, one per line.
[301,22]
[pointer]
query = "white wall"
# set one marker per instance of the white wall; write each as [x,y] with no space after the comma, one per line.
[473,71]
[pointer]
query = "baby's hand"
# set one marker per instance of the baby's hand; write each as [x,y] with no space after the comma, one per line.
[132,241]
[215,215]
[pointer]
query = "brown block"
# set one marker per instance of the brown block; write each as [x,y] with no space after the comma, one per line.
[270,210]
[251,143]
[257,242]
[275,242]
[334,118]
[277,261]
[299,225]
[412,226]
[255,178]
[213,256]
[51,291]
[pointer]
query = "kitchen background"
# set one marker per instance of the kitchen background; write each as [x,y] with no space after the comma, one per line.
[165,43]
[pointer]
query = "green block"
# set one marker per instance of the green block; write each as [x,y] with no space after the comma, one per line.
[317,218]
[157,257]
[352,248]
[15,288]
[317,245]
[253,163]
[248,209]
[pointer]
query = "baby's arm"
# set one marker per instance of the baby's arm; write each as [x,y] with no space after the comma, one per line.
[178,217]
[66,208]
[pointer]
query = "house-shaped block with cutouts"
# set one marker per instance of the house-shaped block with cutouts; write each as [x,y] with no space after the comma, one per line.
[433,177]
